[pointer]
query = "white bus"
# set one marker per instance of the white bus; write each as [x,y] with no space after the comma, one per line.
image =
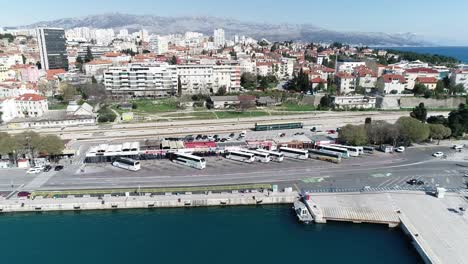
[344,152]
[353,151]
[126,163]
[189,160]
[294,153]
[276,156]
[260,156]
[241,156]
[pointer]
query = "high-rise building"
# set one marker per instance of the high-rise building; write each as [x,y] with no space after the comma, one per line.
[159,45]
[52,48]
[219,38]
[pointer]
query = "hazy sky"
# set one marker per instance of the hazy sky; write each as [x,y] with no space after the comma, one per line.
[444,21]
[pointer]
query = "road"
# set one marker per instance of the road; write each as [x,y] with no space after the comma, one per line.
[378,170]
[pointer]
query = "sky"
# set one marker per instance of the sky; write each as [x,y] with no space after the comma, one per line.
[444,22]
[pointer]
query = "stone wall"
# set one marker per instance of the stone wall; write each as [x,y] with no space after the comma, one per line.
[408,102]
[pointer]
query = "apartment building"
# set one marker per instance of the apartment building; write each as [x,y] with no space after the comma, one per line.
[142,80]
[460,77]
[345,82]
[208,79]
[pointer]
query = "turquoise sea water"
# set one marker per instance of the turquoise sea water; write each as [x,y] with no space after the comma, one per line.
[268,234]
[460,53]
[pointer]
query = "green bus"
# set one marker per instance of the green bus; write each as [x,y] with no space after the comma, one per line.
[278,126]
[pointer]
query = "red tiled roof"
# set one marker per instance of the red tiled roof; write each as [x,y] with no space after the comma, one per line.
[30,97]
[390,77]
[52,73]
[112,54]
[344,75]
[426,80]
[422,70]
[317,80]
[98,62]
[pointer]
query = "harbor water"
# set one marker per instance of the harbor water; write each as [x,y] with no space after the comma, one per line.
[266,234]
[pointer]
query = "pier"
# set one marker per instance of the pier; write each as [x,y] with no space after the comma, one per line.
[108,202]
[437,227]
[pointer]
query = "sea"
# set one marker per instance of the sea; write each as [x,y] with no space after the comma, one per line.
[262,234]
[460,53]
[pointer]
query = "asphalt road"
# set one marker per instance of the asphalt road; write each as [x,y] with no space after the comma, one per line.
[377,170]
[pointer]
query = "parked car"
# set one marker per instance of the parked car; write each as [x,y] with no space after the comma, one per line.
[438,154]
[198,137]
[243,133]
[415,182]
[232,135]
[47,168]
[34,170]
[210,138]
[58,168]
[331,131]
[204,137]
[23,194]
[400,149]
[282,134]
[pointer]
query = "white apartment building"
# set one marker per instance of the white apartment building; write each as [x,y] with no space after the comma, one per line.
[391,83]
[345,82]
[246,65]
[348,65]
[349,102]
[460,77]
[31,105]
[208,78]
[219,37]
[286,68]
[11,91]
[8,109]
[159,45]
[142,80]
[412,74]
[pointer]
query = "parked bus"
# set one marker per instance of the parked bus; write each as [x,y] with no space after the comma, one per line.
[353,151]
[275,156]
[189,160]
[342,151]
[325,155]
[126,163]
[241,156]
[294,153]
[260,156]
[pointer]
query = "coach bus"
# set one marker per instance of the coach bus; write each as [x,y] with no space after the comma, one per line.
[241,156]
[353,151]
[275,156]
[294,153]
[325,155]
[127,164]
[260,156]
[189,160]
[342,151]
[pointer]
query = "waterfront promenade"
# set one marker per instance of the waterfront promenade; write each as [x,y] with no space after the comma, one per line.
[438,227]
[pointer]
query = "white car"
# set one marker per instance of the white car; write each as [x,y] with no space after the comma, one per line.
[400,149]
[34,170]
[438,154]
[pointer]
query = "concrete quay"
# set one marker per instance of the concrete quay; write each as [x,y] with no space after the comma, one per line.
[107,202]
[437,227]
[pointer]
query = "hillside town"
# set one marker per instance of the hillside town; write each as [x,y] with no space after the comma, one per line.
[46,68]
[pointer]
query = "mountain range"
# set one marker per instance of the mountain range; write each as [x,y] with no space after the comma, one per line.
[206,24]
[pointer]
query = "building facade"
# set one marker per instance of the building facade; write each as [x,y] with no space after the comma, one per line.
[142,80]
[52,48]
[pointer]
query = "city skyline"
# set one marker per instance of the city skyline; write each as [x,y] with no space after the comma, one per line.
[363,17]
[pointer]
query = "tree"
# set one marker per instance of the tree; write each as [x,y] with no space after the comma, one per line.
[419,89]
[173,60]
[8,144]
[249,81]
[353,135]
[326,102]
[438,131]
[419,112]
[68,92]
[458,121]
[360,90]
[179,87]
[440,119]
[89,55]
[221,91]
[106,115]
[412,130]
[440,88]
[456,89]
[80,62]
